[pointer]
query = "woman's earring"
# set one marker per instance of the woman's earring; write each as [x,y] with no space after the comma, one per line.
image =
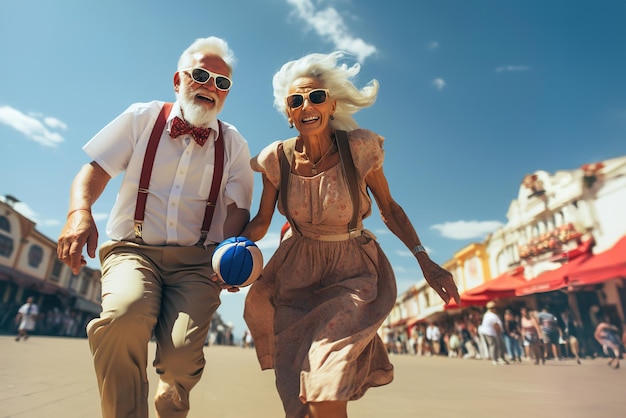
[332,117]
[290,125]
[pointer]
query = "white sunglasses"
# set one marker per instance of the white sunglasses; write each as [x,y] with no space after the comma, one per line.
[202,76]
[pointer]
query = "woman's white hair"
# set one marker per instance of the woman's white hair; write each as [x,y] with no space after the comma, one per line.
[209,46]
[335,77]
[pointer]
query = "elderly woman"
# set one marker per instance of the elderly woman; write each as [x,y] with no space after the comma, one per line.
[315,311]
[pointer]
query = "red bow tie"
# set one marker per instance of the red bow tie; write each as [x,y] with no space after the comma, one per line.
[180,127]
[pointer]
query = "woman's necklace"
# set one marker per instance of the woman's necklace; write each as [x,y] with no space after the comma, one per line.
[314,165]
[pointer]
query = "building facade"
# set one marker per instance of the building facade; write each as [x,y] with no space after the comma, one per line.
[29,267]
[563,247]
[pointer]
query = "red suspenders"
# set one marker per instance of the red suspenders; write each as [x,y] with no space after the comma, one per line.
[146,172]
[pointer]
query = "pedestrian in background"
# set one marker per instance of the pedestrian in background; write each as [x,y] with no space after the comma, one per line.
[570,334]
[433,339]
[164,226]
[532,334]
[609,337]
[492,329]
[420,341]
[552,333]
[455,348]
[512,334]
[26,318]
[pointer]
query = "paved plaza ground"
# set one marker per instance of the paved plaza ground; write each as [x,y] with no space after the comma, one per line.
[53,377]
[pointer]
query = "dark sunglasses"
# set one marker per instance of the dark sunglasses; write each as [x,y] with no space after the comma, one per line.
[202,76]
[317,96]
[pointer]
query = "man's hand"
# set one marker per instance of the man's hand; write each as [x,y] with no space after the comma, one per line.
[224,285]
[80,229]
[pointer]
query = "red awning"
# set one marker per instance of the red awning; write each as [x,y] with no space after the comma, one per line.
[413,321]
[468,300]
[558,278]
[399,322]
[607,265]
[501,287]
[552,279]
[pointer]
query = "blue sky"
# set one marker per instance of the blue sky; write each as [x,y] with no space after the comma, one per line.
[474,94]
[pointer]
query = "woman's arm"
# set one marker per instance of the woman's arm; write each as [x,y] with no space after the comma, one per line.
[391,213]
[258,226]
[398,222]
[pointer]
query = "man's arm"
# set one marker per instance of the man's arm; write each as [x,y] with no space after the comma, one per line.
[80,227]
[236,220]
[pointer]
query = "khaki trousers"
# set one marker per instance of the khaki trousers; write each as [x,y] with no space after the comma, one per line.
[165,290]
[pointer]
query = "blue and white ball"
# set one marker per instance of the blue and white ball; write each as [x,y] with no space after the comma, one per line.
[237,261]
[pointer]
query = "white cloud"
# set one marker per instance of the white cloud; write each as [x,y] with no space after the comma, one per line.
[49,222]
[512,68]
[54,123]
[329,24]
[29,213]
[381,231]
[467,229]
[25,210]
[32,127]
[439,83]
[433,45]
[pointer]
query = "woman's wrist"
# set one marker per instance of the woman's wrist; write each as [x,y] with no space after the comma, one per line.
[418,249]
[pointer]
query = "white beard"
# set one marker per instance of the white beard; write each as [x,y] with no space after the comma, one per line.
[195,114]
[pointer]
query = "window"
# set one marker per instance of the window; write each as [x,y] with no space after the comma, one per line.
[35,255]
[72,284]
[6,246]
[84,285]
[57,268]
[4,224]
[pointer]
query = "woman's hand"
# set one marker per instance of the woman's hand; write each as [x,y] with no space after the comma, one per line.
[439,279]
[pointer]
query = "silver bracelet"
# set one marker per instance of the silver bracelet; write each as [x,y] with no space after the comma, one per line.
[418,249]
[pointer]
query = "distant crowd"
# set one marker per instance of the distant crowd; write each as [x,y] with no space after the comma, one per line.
[514,336]
[53,322]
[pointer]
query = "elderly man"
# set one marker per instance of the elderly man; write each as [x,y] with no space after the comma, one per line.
[163,229]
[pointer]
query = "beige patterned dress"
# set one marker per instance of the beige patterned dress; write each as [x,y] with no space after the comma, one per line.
[315,311]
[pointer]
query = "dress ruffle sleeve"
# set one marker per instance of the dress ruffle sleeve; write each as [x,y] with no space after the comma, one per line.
[367,151]
[267,162]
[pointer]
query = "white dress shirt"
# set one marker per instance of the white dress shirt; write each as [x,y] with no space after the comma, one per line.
[181,177]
